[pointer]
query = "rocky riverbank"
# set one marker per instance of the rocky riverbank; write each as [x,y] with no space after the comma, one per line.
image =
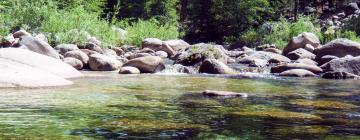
[29,61]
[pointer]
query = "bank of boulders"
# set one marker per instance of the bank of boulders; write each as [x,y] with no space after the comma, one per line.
[303,56]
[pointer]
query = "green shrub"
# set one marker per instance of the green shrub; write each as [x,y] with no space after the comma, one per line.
[69,26]
[354,25]
[60,22]
[282,31]
[142,29]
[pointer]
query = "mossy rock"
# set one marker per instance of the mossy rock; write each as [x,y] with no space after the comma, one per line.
[276,113]
[323,104]
[137,125]
[314,129]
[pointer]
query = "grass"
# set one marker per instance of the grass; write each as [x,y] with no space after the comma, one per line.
[74,24]
[138,31]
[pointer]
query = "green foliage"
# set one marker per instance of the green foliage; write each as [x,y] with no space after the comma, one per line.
[64,24]
[138,31]
[282,31]
[60,22]
[354,25]
[217,20]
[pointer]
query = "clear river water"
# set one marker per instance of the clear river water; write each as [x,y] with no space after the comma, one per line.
[111,106]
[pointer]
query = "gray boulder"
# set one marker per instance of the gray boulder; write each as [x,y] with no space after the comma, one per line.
[24,68]
[297,73]
[284,67]
[345,64]
[77,64]
[64,48]
[78,54]
[158,45]
[300,54]
[339,75]
[39,46]
[147,64]
[339,48]
[177,44]
[301,41]
[99,62]
[129,70]
[213,66]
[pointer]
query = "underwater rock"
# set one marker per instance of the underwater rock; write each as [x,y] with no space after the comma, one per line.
[323,104]
[137,125]
[278,114]
[224,93]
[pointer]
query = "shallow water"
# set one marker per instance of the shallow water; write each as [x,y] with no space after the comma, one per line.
[112,106]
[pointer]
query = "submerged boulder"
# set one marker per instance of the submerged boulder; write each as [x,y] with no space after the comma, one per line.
[147,64]
[301,41]
[224,93]
[339,48]
[297,73]
[213,66]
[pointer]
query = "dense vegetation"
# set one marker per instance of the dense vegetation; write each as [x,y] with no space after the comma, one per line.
[218,21]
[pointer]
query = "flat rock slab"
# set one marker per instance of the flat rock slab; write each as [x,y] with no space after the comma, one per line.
[24,68]
[214,93]
[39,61]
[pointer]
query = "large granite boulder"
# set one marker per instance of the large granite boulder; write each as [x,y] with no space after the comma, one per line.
[199,52]
[100,62]
[266,56]
[301,41]
[45,63]
[284,67]
[213,66]
[339,48]
[158,45]
[346,64]
[300,54]
[177,44]
[64,48]
[297,73]
[39,46]
[147,64]
[24,68]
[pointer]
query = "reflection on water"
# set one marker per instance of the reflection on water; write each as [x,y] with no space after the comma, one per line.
[112,106]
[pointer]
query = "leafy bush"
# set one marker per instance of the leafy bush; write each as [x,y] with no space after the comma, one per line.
[60,22]
[354,25]
[283,30]
[142,29]
[68,26]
